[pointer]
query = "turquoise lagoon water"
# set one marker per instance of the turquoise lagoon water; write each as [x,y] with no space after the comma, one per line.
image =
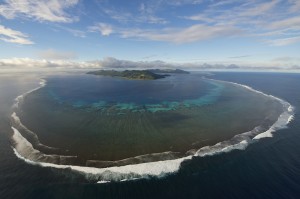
[102,120]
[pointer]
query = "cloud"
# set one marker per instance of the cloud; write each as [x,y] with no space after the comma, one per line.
[182,2]
[293,63]
[240,13]
[52,54]
[104,29]
[284,41]
[40,10]
[259,9]
[143,12]
[295,67]
[150,20]
[239,57]
[180,35]
[273,19]
[223,3]
[287,60]
[295,5]
[145,15]
[35,64]
[190,34]
[200,17]
[113,63]
[76,33]
[293,22]
[122,17]
[13,36]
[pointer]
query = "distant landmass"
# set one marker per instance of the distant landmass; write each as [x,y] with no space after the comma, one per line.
[177,71]
[130,74]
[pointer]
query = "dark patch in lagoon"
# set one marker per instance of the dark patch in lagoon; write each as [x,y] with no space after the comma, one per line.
[266,169]
[172,168]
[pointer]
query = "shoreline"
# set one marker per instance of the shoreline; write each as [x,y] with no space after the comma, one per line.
[241,141]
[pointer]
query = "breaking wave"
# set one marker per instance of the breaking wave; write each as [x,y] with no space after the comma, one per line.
[16,122]
[26,151]
[20,98]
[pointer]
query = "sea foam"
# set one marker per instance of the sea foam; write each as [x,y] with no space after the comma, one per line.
[20,98]
[158,168]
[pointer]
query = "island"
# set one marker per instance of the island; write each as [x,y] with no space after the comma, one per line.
[175,71]
[129,74]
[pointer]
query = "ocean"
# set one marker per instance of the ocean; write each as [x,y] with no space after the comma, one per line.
[248,163]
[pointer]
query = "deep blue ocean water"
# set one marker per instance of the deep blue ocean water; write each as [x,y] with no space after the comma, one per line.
[269,168]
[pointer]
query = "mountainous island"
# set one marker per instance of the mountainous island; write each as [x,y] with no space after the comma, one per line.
[130,74]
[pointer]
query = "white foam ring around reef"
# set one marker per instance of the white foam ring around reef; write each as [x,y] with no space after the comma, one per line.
[16,122]
[20,98]
[24,149]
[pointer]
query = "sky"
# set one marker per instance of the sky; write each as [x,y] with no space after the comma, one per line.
[189,34]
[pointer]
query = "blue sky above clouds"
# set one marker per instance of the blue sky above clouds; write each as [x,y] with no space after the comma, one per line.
[194,34]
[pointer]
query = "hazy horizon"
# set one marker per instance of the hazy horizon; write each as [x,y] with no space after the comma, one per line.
[188,34]
[226,126]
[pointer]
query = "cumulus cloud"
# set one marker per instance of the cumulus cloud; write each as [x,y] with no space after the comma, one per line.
[27,63]
[294,62]
[52,54]
[41,10]
[13,36]
[113,63]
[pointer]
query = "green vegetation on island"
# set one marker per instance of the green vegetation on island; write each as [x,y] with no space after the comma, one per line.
[129,74]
